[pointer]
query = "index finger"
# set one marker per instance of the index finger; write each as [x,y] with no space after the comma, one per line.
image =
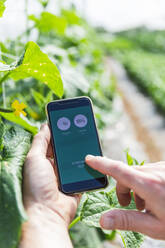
[122,173]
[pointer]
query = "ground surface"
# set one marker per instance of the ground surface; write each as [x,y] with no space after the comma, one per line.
[140,128]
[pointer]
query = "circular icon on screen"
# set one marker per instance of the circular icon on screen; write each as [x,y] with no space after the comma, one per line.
[80,120]
[63,123]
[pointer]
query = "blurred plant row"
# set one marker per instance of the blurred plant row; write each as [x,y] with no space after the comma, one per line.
[142,52]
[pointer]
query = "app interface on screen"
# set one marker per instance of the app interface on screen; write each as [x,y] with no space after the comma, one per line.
[74,136]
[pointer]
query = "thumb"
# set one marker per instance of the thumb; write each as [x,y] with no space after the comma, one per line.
[130,220]
[40,142]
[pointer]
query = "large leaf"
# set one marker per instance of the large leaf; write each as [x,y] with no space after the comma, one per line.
[49,22]
[15,145]
[4,67]
[131,239]
[71,16]
[93,207]
[2,7]
[20,120]
[34,63]
[98,203]
[85,237]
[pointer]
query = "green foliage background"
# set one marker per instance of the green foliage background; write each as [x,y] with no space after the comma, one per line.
[67,59]
[142,52]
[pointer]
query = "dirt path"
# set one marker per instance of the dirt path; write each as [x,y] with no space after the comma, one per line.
[149,126]
[143,135]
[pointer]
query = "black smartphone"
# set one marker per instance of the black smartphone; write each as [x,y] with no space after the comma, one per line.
[74,135]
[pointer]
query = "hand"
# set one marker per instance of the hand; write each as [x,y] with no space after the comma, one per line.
[148,184]
[49,210]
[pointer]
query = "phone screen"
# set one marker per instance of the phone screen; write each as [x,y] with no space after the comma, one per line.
[74,136]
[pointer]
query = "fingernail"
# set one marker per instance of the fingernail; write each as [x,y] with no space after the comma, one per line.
[89,157]
[107,223]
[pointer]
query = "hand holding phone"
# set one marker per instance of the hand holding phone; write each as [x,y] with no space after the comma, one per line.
[74,135]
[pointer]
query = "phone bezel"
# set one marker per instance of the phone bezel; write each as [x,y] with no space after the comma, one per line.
[66,104]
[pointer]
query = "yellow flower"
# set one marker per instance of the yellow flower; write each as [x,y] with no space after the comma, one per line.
[19,107]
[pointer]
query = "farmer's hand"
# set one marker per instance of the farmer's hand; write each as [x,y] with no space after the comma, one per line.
[148,184]
[49,211]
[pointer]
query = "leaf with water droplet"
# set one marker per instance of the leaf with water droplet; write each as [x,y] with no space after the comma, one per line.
[34,63]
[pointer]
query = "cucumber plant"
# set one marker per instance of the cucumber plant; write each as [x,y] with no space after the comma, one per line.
[62,62]
[14,145]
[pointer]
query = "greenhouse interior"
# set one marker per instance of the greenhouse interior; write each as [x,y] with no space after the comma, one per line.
[111,53]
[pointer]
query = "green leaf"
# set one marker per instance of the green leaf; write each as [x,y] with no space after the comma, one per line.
[2,7]
[131,160]
[2,129]
[142,163]
[39,98]
[85,237]
[49,22]
[71,17]
[4,67]
[22,121]
[34,63]
[16,143]
[93,207]
[131,239]
[98,203]
[44,3]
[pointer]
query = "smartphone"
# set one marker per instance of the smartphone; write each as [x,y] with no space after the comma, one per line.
[74,135]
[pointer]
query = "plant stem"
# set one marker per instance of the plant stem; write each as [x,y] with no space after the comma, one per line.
[6,110]
[4,95]
[74,222]
[4,77]
[112,235]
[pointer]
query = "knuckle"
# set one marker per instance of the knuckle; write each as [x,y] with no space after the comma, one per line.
[157,231]
[152,229]
[98,160]
[125,221]
[128,176]
[115,167]
[152,182]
